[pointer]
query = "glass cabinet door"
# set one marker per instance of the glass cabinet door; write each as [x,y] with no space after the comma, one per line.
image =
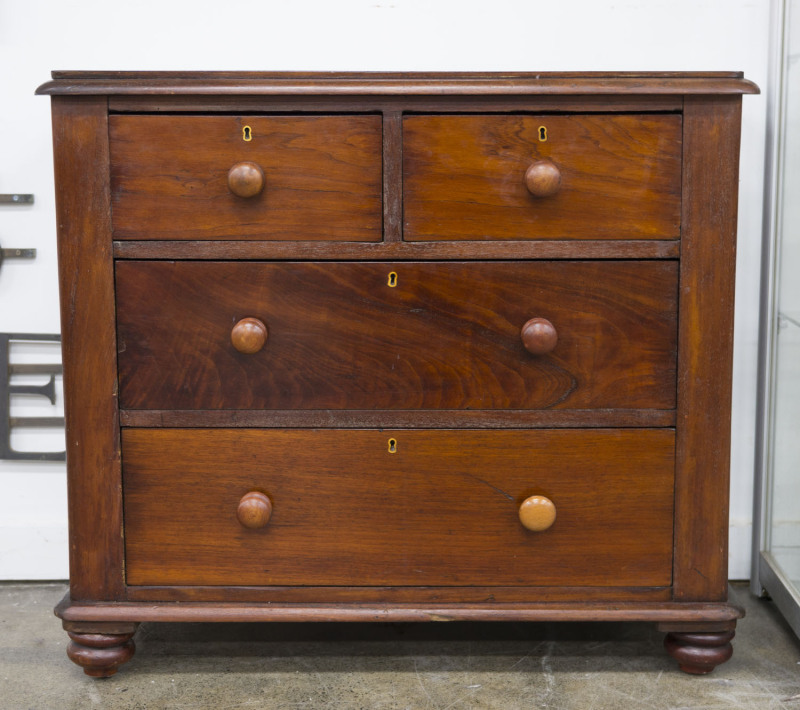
[778,559]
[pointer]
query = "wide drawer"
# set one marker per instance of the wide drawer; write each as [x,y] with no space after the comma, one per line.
[464,177]
[397,335]
[321,177]
[441,509]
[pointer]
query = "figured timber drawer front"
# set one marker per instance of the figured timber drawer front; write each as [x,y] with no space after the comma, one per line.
[246,177]
[400,335]
[591,177]
[441,509]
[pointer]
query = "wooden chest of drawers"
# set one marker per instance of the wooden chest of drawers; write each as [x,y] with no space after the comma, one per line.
[397,347]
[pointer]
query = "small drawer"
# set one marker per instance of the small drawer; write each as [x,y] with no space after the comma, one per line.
[356,507]
[542,177]
[246,177]
[397,335]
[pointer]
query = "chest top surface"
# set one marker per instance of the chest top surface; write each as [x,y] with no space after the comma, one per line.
[399,83]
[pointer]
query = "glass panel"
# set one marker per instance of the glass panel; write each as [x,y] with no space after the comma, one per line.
[785,519]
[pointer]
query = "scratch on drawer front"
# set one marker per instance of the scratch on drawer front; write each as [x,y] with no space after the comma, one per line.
[494,488]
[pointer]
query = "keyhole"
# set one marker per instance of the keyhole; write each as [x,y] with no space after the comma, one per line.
[542,134]
[392,279]
[247,133]
[392,446]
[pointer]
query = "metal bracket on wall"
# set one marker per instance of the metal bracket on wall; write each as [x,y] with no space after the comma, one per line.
[7,422]
[16,199]
[16,254]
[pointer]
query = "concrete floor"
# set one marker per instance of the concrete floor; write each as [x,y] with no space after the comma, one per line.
[353,666]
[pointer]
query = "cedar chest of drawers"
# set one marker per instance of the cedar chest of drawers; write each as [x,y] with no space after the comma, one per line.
[397,347]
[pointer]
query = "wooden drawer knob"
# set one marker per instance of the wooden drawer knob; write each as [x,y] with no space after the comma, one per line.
[539,336]
[254,510]
[246,179]
[543,179]
[249,335]
[537,513]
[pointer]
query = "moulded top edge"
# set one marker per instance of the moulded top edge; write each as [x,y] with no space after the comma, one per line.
[396,83]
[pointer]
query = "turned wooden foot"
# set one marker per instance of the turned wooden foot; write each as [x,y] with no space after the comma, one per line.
[699,653]
[100,654]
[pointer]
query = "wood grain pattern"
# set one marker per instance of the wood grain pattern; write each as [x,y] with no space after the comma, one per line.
[346,511]
[341,338]
[169,177]
[464,177]
[392,177]
[249,336]
[542,178]
[665,612]
[699,653]
[409,251]
[395,83]
[100,655]
[539,336]
[130,103]
[254,510]
[399,419]
[88,342]
[711,173]
[470,594]
[246,179]
[320,78]
[699,626]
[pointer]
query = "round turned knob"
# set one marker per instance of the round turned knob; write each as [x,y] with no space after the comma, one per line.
[254,510]
[537,513]
[246,179]
[543,179]
[249,335]
[539,336]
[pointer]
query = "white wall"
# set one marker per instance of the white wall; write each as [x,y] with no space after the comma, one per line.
[39,35]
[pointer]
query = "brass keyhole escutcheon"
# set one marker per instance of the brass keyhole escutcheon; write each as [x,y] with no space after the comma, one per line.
[392,282]
[247,133]
[392,447]
[542,134]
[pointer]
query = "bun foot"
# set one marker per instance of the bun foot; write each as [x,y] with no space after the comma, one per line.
[100,654]
[699,653]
